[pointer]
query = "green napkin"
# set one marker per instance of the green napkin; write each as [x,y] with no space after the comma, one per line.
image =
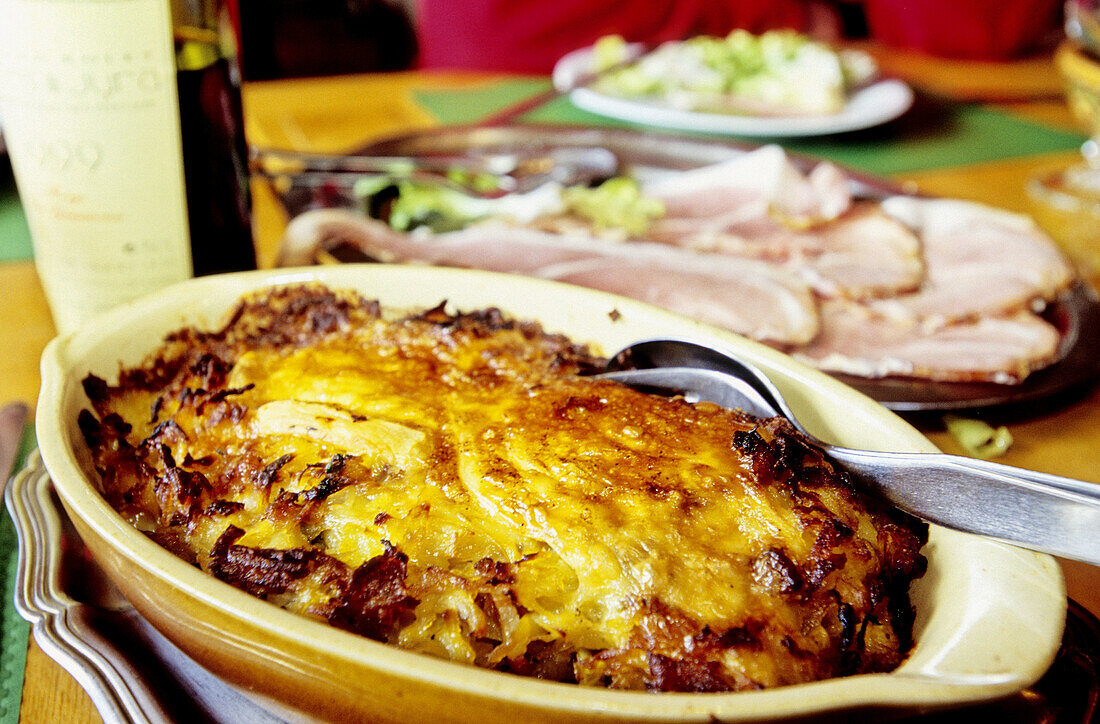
[13,629]
[15,237]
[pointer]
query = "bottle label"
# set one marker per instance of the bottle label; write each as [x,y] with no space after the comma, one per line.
[90,112]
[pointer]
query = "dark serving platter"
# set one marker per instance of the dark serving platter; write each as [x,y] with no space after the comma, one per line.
[1076,314]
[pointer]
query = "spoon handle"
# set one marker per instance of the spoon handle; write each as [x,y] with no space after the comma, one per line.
[1043,512]
[287,162]
[1034,510]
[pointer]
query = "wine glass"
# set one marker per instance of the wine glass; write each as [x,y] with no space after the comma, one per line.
[1067,200]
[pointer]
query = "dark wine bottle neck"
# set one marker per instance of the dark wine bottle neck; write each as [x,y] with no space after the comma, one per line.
[196,55]
[199,35]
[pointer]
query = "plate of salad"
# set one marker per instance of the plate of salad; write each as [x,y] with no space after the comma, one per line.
[777,84]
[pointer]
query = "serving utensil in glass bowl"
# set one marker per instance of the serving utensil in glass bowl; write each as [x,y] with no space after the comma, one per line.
[1067,200]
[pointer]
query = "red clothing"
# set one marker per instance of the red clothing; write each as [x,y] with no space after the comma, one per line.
[965,29]
[529,37]
[987,29]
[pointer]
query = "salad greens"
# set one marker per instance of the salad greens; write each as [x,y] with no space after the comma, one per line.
[406,204]
[617,203]
[780,71]
[978,438]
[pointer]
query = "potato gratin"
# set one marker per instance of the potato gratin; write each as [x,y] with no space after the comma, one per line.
[452,484]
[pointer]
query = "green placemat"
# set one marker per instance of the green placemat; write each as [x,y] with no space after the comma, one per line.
[13,629]
[15,237]
[471,106]
[942,135]
[935,133]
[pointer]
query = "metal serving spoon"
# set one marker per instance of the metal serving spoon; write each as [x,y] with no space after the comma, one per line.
[514,172]
[1033,510]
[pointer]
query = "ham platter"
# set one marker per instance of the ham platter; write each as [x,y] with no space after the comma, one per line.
[922,303]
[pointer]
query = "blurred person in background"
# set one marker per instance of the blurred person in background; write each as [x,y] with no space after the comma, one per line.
[287,38]
[529,36]
[973,29]
[297,38]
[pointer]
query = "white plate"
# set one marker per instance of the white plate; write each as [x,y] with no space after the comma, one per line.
[870,106]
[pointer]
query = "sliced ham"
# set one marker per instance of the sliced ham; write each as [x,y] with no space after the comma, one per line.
[762,206]
[978,261]
[491,247]
[749,297]
[861,255]
[934,289]
[866,254]
[1003,349]
[747,230]
[765,177]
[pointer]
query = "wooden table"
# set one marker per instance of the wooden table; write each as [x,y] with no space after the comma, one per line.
[336,113]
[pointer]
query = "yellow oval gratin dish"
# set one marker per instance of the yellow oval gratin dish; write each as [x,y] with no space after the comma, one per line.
[989,617]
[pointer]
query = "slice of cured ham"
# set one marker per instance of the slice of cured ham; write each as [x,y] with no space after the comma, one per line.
[749,297]
[978,261]
[493,247]
[764,177]
[746,297]
[865,254]
[860,255]
[926,288]
[761,206]
[856,341]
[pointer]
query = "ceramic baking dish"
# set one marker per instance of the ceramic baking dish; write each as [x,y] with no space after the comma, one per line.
[989,616]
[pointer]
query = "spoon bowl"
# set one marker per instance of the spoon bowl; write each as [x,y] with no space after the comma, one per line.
[1033,510]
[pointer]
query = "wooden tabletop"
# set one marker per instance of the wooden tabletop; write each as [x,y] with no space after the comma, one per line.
[331,114]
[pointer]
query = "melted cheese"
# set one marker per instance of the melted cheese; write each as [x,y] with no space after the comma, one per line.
[628,525]
[629,519]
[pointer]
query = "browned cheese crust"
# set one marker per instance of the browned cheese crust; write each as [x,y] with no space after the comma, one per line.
[453,484]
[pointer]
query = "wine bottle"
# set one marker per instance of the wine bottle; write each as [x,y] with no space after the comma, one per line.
[215,156]
[99,126]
